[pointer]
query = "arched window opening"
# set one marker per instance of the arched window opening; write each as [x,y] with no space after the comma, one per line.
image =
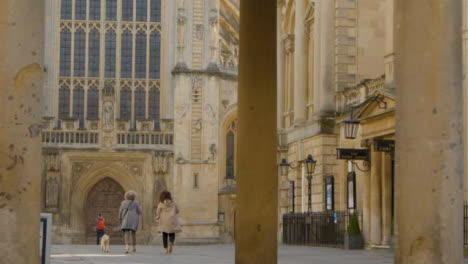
[126,55]
[155,55]
[230,155]
[127,10]
[93,53]
[141,10]
[140,104]
[78,102]
[64,102]
[140,55]
[65,52]
[66,9]
[153,109]
[110,54]
[125,104]
[94,9]
[80,46]
[93,102]
[155,11]
[80,9]
[111,10]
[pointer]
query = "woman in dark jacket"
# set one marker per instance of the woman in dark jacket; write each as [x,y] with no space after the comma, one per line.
[129,213]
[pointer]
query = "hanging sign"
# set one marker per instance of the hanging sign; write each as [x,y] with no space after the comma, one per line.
[352,154]
[384,145]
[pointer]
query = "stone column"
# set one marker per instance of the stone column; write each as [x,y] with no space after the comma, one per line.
[257,185]
[465,96]
[300,64]
[366,207]
[21,76]
[386,198]
[280,66]
[429,181]
[376,198]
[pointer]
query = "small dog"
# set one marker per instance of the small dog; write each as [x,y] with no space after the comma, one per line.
[105,240]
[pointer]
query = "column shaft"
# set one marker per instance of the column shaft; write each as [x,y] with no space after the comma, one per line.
[300,64]
[376,198]
[429,182]
[366,207]
[21,76]
[386,198]
[257,185]
[280,67]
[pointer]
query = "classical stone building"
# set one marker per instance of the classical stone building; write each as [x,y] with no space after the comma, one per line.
[140,94]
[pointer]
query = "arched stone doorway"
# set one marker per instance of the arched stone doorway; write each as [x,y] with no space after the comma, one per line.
[105,197]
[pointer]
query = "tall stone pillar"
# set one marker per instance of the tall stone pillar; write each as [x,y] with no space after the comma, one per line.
[366,210]
[280,66]
[21,76]
[386,198]
[429,182]
[257,185]
[376,198]
[300,64]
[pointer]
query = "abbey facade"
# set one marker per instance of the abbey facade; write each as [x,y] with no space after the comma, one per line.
[140,95]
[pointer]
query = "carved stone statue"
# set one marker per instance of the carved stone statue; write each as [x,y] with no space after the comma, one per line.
[161,163]
[52,193]
[108,115]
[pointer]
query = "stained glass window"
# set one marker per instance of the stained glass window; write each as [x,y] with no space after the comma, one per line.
[94,9]
[65,52]
[93,53]
[140,55]
[80,9]
[125,104]
[110,54]
[127,10]
[155,11]
[153,107]
[141,10]
[93,102]
[80,46]
[230,155]
[66,9]
[140,104]
[126,54]
[64,102]
[111,10]
[78,102]
[155,55]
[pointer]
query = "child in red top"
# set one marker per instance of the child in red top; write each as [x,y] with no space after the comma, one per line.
[100,228]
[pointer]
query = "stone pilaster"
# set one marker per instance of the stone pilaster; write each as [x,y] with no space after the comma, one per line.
[376,198]
[386,198]
[21,75]
[256,222]
[300,64]
[429,154]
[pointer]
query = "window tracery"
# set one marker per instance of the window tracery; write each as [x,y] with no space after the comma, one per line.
[140,104]
[125,104]
[93,102]
[64,102]
[78,102]
[126,54]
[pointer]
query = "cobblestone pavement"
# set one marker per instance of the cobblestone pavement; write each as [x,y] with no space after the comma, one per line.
[214,254]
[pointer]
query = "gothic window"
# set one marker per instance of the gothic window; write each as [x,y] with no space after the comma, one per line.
[65,52]
[155,11]
[110,54]
[94,9]
[66,9]
[230,155]
[140,55]
[94,53]
[80,9]
[155,55]
[78,102]
[93,102]
[64,102]
[125,104]
[127,10]
[126,54]
[153,107]
[80,45]
[141,10]
[111,10]
[140,104]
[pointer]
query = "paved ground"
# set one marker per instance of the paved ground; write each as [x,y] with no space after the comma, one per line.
[214,254]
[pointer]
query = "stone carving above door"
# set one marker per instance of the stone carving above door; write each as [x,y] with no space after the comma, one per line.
[161,162]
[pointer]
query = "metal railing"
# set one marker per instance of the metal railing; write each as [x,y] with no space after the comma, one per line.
[316,229]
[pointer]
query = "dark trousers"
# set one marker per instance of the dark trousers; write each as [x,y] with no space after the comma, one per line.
[171,238]
[99,234]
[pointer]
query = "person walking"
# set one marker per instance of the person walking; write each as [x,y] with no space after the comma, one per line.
[129,213]
[100,228]
[167,215]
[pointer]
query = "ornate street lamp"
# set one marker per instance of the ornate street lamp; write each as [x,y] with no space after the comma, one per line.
[309,164]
